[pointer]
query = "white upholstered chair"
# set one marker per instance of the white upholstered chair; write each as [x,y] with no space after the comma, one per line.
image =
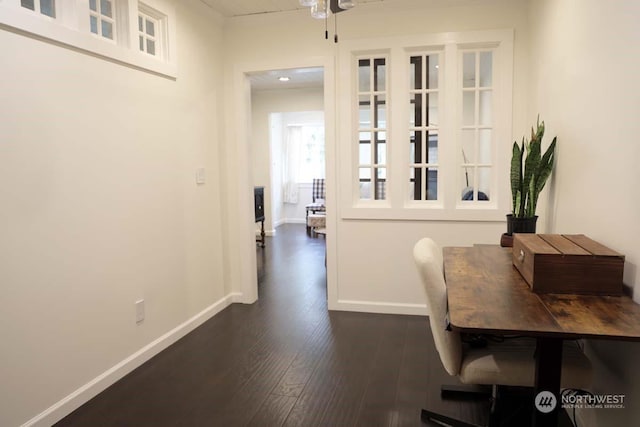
[507,363]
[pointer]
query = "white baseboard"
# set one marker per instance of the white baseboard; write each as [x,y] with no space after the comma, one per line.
[85,393]
[379,307]
[268,233]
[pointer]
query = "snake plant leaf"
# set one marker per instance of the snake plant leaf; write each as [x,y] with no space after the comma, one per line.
[516,175]
[531,163]
[544,171]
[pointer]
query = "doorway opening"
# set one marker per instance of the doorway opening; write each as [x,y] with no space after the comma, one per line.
[287,144]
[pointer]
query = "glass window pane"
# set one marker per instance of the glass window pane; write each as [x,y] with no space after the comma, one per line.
[151,47]
[105,8]
[381,111]
[484,146]
[151,28]
[415,186]
[419,146]
[486,107]
[484,184]
[432,147]
[412,146]
[364,102]
[107,29]
[486,69]
[468,146]
[469,70]
[365,174]
[467,183]
[381,153]
[432,112]
[415,110]
[381,184]
[29,4]
[380,73]
[364,136]
[93,22]
[93,5]
[364,75]
[415,74]
[365,154]
[469,108]
[48,7]
[365,190]
[141,43]
[140,23]
[434,66]
[365,183]
[432,184]
[381,136]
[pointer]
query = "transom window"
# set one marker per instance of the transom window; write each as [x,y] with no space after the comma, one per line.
[102,18]
[45,7]
[128,31]
[147,33]
[372,128]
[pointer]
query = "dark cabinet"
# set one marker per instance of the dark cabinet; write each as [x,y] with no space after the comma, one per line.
[258,206]
[258,202]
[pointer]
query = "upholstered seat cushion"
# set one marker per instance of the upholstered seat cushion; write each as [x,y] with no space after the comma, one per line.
[511,363]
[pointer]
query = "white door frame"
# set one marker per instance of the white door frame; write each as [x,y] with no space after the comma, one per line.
[242,239]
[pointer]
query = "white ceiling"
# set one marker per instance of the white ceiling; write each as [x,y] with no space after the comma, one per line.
[231,8]
[298,78]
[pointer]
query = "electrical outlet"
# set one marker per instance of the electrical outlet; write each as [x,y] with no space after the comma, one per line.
[140,311]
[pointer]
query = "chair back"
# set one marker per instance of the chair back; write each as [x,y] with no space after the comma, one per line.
[428,258]
[317,189]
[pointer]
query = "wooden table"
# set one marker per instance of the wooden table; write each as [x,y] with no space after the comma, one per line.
[486,294]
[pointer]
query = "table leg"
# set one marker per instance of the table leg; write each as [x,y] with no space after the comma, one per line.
[548,373]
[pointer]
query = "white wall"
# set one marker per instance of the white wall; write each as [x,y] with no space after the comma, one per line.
[267,161]
[356,279]
[100,208]
[586,88]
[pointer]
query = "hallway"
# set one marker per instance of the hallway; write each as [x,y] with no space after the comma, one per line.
[284,360]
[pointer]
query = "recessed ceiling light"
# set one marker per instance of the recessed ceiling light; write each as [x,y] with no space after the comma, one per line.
[284,79]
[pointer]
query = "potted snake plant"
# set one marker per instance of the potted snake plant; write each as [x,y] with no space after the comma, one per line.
[530,170]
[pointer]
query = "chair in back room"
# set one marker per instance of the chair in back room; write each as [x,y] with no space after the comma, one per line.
[317,199]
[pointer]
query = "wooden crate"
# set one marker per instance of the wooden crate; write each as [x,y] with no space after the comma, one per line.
[567,264]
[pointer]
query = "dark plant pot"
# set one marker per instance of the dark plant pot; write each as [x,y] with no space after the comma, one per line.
[521,225]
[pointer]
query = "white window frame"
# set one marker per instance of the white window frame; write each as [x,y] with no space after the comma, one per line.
[437,50]
[476,127]
[373,165]
[71,28]
[398,205]
[161,29]
[117,28]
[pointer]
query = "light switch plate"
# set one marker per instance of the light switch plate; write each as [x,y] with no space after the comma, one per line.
[200,176]
[140,311]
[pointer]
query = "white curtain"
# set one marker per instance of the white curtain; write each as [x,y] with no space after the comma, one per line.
[291,163]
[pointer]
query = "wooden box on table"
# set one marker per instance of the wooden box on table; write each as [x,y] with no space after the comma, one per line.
[568,264]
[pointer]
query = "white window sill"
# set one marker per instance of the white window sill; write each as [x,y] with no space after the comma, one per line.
[424,214]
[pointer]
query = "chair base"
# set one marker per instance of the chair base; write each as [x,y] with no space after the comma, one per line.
[429,416]
[509,405]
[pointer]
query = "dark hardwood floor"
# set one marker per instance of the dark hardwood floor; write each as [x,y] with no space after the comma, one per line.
[285,361]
